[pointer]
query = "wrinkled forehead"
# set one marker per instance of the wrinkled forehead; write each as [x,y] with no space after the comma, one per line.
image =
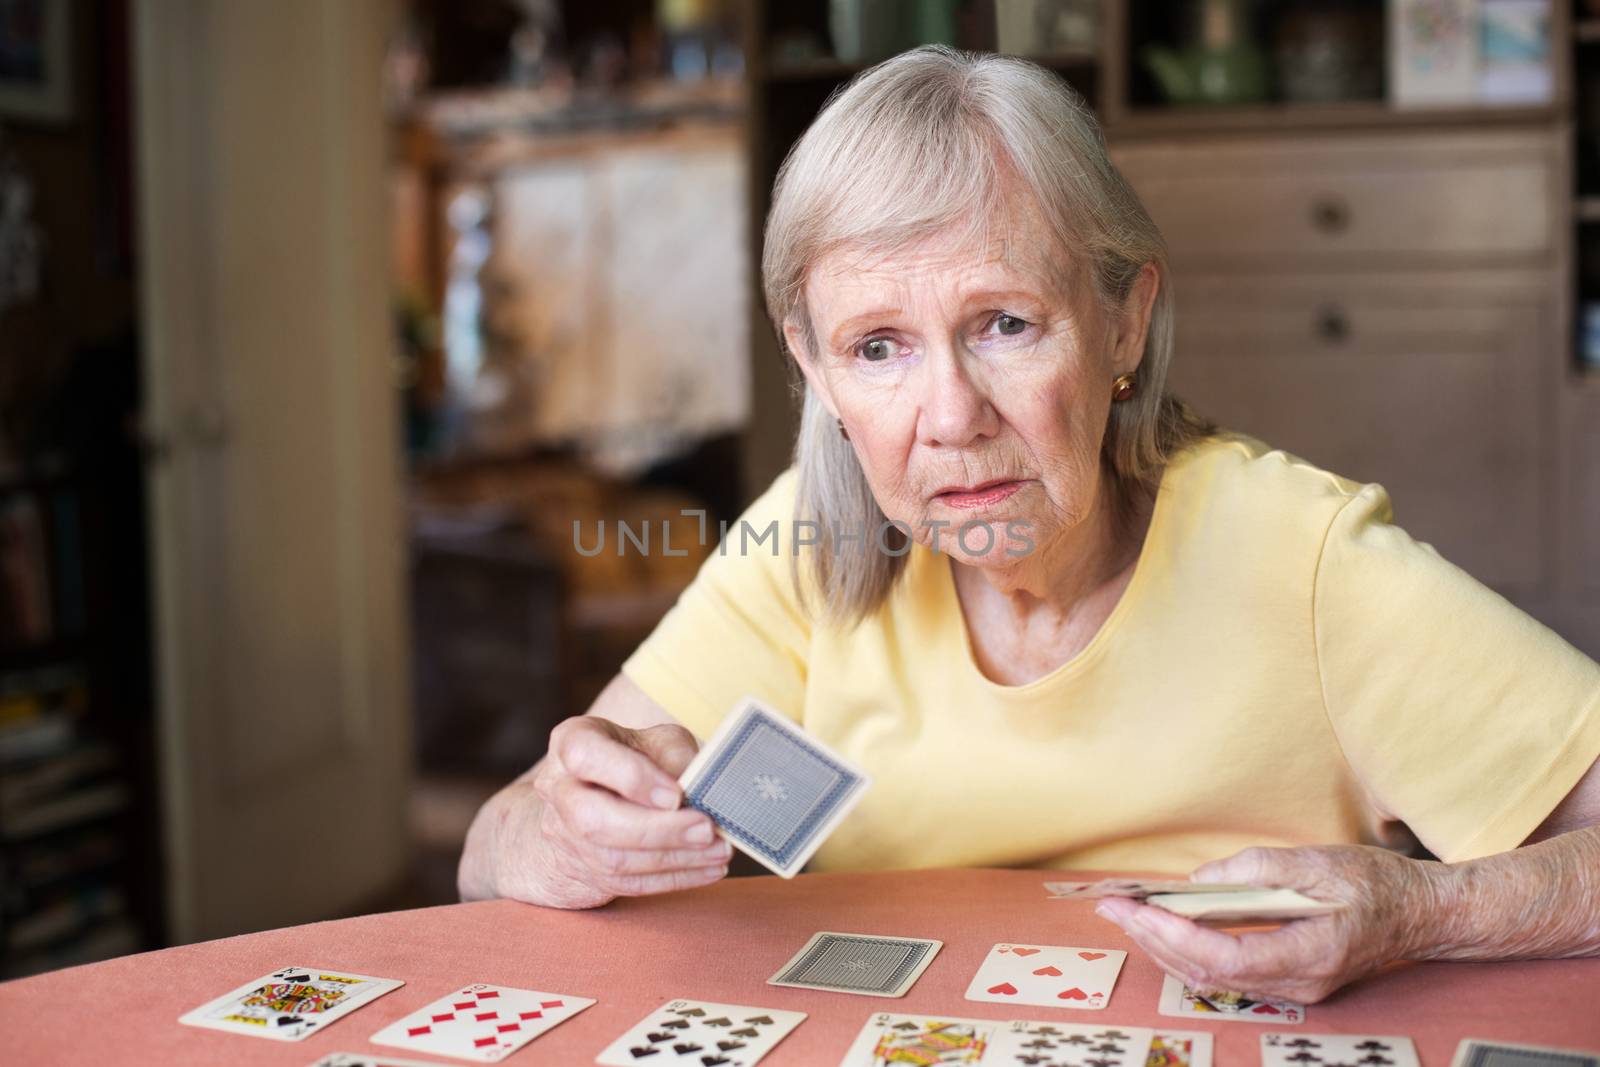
[1010,246]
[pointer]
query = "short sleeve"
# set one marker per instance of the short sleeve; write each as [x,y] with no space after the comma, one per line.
[738,629]
[1461,715]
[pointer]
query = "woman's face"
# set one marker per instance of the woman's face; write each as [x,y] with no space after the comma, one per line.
[975,383]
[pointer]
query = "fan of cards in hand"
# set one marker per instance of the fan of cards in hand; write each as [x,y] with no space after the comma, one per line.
[1202,902]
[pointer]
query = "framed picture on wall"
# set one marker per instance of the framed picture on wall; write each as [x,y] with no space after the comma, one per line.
[35,82]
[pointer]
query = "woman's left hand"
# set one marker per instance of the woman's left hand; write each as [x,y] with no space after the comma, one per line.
[1387,897]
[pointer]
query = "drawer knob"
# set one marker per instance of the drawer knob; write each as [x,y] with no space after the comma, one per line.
[1333,325]
[1330,214]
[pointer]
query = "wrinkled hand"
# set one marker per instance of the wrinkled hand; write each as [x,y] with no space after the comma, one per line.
[1306,959]
[610,823]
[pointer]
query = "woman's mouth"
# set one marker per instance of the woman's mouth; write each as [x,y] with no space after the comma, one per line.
[978,496]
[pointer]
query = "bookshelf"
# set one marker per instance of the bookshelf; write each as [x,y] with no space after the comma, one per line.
[1585,59]
[79,851]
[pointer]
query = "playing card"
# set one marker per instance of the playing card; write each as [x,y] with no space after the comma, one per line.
[702,1033]
[1475,1053]
[773,791]
[891,1040]
[1179,1000]
[1050,976]
[481,1022]
[291,1003]
[1180,1048]
[1305,1050]
[366,1059]
[1137,888]
[1064,1045]
[1242,907]
[858,963]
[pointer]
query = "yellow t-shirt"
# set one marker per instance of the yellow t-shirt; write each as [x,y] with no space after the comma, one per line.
[1285,667]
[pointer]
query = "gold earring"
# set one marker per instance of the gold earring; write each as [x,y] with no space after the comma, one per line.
[844,433]
[1124,386]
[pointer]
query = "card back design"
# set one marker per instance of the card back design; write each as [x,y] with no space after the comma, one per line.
[858,963]
[1475,1053]
[771,789]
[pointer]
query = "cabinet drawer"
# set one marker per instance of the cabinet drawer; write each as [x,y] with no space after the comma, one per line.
[1320,201]
[1441,394]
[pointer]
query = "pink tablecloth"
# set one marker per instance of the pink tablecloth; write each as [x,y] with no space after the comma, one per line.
[722,943]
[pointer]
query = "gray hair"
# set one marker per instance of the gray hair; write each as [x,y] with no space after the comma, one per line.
[917,146]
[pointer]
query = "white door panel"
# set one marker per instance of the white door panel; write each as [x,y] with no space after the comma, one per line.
[277,523]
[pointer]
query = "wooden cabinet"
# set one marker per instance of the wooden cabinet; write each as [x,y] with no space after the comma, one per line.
[1450,198]
[1436,387]
[1389,305]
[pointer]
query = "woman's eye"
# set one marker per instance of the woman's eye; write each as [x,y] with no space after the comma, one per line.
[1009,325]
[876,349]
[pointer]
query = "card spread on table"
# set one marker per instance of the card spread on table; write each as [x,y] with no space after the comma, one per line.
[291,1003]
[1179,1000]
[367,1059]
[1473,1052]
[1066,1045]
[1180,1048]
[1305,1050]
[702,1033]
[1051,976]
[893,1040]
[858,963]
[773,791]
[481,1022]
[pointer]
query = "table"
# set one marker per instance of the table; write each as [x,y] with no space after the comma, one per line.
[722,943]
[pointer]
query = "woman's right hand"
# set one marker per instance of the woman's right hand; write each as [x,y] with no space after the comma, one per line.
[610,822]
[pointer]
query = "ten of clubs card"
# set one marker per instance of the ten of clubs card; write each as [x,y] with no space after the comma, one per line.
[1179,1000]
[773,791]
[1306,1050]
[291,1003]
[702,1033]
[481,1022]
[892,1040]
[1050,976]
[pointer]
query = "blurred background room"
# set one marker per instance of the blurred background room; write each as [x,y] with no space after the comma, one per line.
[335,333]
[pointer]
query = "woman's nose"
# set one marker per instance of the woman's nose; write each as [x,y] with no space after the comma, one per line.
[955,409]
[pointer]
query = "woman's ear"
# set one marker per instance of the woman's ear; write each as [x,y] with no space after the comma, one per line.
[794,338]
[1133,326]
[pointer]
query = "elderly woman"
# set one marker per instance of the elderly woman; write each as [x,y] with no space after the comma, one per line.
[1061,620]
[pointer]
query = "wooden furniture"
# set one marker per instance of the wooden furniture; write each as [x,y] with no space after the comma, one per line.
[721,944]
[1367,300]
[1386,292]
[79,851]
[527,597]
